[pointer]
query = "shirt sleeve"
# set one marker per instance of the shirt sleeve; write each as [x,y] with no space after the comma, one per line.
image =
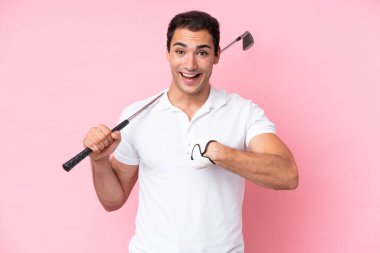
[125,152]
[258,123]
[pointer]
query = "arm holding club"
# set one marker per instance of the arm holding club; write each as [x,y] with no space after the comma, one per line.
[268,162]
[113,180]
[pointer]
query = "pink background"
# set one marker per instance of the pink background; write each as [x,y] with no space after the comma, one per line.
[68,65]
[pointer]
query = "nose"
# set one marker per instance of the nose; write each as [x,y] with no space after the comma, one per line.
[190,62]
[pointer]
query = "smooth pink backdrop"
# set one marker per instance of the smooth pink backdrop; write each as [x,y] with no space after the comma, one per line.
[68,65]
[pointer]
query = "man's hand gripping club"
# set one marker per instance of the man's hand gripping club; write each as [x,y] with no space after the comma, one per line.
[102,141]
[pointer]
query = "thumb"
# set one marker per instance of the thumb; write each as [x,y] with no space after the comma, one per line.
[116,139]
[116,136]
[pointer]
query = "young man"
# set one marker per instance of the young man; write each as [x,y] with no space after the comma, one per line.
[191,152]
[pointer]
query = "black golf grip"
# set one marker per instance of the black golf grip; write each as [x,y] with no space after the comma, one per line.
[79,157]
[76,159]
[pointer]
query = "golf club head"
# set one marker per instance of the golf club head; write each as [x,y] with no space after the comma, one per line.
[247,40]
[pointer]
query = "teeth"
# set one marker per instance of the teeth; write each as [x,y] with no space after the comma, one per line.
[189,75]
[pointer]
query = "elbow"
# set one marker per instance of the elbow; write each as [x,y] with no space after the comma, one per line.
[111,206]
[290,184]
[291,180]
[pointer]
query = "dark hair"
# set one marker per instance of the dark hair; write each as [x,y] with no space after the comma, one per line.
[195,21]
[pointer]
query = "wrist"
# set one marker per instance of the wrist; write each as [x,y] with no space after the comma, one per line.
[99,164]
[215,151]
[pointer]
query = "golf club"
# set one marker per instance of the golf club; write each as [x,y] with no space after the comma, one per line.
[247,43]
[84,153]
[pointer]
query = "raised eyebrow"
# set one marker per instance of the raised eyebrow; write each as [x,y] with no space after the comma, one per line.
[197,47]
[203,46]
[179,44]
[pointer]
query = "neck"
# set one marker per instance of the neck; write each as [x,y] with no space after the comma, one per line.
[188,103]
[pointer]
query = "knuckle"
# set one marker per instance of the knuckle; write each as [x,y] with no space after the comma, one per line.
[94,148]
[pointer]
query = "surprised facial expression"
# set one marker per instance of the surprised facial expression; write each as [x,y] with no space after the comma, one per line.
[191,59]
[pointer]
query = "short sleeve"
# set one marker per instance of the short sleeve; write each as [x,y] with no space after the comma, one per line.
[258,123]
[125,153]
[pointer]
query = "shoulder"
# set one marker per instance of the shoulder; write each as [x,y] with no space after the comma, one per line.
[233,100]
[244,107]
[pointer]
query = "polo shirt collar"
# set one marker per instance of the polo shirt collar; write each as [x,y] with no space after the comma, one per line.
[216,99]
[164,102]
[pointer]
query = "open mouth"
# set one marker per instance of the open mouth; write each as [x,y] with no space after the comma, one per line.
[189,77]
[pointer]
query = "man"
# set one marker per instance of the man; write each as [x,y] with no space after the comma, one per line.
[191,152]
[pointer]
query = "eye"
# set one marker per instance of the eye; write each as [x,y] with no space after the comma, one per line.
[179,51]
[203,53]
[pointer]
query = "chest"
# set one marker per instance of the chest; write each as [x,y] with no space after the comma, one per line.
[165,135]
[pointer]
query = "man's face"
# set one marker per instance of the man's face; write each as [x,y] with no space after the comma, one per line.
[191,59]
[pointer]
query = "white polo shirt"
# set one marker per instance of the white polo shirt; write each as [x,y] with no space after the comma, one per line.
[183,209]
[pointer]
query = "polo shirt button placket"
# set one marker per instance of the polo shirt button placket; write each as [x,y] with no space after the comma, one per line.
[184,124]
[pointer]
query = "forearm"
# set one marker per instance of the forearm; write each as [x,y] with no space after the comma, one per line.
[267,170]
[107,184]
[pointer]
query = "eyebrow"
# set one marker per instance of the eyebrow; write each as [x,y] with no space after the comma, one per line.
[197,47]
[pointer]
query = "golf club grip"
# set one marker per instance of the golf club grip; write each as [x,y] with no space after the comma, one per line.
[76,159]
[79,157]
[120,126]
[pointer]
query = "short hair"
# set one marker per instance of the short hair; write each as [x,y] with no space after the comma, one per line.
[195,21]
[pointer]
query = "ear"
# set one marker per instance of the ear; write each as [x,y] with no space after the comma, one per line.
[216,59]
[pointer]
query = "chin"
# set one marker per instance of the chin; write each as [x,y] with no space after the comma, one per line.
[192,90]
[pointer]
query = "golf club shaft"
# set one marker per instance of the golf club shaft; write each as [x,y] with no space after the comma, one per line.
[79,157]
[233,42]
[85,152]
